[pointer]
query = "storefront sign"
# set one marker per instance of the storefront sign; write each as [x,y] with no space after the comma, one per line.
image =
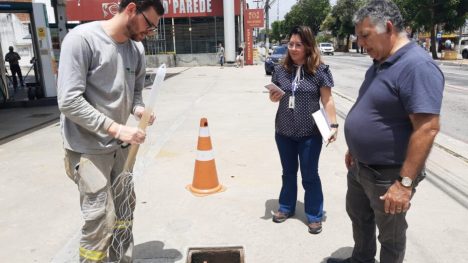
[90,10]
[254,18]
[248,52]
[183,8]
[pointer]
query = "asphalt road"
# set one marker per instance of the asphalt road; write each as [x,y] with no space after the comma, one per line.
[349,69]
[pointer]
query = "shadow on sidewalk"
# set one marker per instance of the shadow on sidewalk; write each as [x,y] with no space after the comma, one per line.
[344,252]
[154,250]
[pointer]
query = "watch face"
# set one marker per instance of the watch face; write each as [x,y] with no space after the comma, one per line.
[406,181]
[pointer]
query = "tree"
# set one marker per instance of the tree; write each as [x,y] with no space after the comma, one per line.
[307,12]
[340,19]
[428,14]
[277,30]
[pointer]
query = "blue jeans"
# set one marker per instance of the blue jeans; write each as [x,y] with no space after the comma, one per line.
[308,150]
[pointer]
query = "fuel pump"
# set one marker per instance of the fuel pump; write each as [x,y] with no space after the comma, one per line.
[44,65]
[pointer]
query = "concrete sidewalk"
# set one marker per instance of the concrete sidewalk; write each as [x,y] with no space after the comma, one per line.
[28,116]
[44,221]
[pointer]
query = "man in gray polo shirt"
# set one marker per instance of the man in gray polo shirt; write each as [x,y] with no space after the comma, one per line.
[101,77]
[389,131]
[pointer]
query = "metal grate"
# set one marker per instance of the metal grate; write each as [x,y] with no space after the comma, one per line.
[216,255]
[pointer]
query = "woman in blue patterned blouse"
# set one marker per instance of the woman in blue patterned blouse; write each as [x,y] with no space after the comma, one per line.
[306,82]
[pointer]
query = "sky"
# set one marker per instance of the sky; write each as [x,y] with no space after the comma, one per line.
[284,7]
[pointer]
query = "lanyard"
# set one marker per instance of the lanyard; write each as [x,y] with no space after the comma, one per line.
[295,82]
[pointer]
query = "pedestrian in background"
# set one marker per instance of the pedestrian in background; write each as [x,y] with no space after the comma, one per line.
[221,54]
[240,57]
[306,81]
[101,77]
[389,132]
[12,57]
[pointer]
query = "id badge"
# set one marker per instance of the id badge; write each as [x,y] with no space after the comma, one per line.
[291,102]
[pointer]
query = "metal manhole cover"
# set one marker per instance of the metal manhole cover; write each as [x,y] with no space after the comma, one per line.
[215,255]
[39,115]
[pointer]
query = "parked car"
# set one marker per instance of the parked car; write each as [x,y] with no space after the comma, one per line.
[278,54]
[464,48]
[326,48]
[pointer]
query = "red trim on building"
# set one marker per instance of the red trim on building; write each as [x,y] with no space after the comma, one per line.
[90,10]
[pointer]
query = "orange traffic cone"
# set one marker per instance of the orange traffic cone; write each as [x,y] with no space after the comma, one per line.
[205,178]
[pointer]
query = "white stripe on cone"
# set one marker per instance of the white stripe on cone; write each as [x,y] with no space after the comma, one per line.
[204,132]
[205,155]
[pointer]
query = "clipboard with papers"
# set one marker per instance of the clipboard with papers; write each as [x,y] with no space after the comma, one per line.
[322,123]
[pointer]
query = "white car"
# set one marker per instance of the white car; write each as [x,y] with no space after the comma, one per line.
[326,48]
[464,48]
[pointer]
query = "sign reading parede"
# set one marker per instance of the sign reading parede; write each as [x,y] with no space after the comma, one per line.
[194,7]
[105,9]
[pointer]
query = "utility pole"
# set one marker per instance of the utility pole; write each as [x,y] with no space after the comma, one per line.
[267,7]
[241,37]
[277,11]
[267,21]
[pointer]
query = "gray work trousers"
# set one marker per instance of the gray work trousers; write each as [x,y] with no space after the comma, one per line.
[95,174]
[365,185]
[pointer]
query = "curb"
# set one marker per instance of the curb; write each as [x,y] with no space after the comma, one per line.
[50,101]
[452,64]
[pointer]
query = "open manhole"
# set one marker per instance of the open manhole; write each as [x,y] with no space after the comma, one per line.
[215,255]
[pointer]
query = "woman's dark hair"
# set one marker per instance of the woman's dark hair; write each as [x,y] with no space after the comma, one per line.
[143,5]
[312,54]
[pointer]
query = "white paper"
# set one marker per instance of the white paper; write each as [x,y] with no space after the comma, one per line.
[323,125]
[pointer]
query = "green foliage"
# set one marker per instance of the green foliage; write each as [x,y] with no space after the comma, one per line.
[277,31]
[323,38]
[340,20]
[343,12]
[426,15]
[307,12]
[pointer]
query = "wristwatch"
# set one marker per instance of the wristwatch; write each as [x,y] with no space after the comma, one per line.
[334,125]
[406,181]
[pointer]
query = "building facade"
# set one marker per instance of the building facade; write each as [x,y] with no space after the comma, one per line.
[187,27]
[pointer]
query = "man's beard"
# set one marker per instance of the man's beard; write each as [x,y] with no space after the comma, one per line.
[133,34]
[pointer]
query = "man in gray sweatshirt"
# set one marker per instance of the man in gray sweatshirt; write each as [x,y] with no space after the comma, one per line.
[100,82]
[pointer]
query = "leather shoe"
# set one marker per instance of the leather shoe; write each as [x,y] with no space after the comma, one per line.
[315,227]
[280,217]
[339,260]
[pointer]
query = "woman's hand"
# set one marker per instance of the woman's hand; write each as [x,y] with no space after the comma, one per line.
[333,135]
[275,95]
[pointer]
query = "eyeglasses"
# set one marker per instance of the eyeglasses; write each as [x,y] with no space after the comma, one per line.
[151,27]
[298,45]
